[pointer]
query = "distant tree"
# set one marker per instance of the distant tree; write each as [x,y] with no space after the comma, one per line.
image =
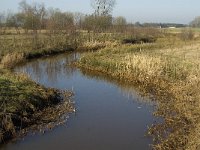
[32,16]
[195,22]
[78,19]
[11,20]
[88,22]
[103,7]
[59,21]
[2,19]
[97,23]
[138,24]
[101,20]
[2,22]
[103,23]
[120,23]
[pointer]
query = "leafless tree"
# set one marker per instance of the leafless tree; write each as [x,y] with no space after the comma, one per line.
[60,21]
[195,22]
[78,19]
[103,7]
[2,22]
[120,23]
[32,16]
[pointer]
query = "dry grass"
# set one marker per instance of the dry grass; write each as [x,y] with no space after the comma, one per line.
[11,59]
[171,74]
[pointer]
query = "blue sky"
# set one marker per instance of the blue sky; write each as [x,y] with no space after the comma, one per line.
[174,11]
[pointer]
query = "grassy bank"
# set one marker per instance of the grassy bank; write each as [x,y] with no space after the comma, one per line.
[24,105]
[16,48]
[171,72]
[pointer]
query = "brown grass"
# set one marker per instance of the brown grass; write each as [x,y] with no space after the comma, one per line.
[12,59]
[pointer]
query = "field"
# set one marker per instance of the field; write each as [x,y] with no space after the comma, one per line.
[170,71]
[165,64]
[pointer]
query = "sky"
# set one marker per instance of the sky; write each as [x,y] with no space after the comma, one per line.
[159,11]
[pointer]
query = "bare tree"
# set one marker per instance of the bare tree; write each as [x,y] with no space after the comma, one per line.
[32,15]
[60,21]
[2,22]
[195,22]
[78,19]
[103,7]
[2,18]
[120,23]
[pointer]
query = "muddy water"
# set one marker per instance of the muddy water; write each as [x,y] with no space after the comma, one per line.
[109,115]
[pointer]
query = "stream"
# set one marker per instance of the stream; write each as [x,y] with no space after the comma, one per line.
[110,115]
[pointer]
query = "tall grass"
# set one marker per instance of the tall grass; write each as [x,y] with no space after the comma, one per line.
[11,59]
[16,48]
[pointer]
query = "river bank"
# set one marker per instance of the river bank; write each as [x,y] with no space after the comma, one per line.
[28,105]
[24,103]
[37,100]
[171,74]
[20,48]
[105,109]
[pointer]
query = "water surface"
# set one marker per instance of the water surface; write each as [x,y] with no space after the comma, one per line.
[109,115]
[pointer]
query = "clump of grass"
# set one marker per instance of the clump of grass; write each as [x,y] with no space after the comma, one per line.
[173,79]
[11,59]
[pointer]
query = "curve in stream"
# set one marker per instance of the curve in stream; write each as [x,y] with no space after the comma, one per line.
[109,115]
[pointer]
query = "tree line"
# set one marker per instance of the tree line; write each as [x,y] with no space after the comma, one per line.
[37,17]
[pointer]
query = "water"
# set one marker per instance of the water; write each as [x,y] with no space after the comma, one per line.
[110,115]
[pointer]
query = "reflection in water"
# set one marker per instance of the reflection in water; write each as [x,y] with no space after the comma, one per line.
[50,69]
[127,89]
[110,115]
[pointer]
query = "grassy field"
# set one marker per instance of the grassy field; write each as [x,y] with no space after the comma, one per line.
[168,69]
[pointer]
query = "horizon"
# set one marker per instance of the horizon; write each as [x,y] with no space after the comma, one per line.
[143,11]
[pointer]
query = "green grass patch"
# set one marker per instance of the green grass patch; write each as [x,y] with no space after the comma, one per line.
[24,103]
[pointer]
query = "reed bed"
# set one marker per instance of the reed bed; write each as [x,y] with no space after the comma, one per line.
[171,74]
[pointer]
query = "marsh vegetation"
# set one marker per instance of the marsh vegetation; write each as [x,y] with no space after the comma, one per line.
[160,61]
[169,70]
